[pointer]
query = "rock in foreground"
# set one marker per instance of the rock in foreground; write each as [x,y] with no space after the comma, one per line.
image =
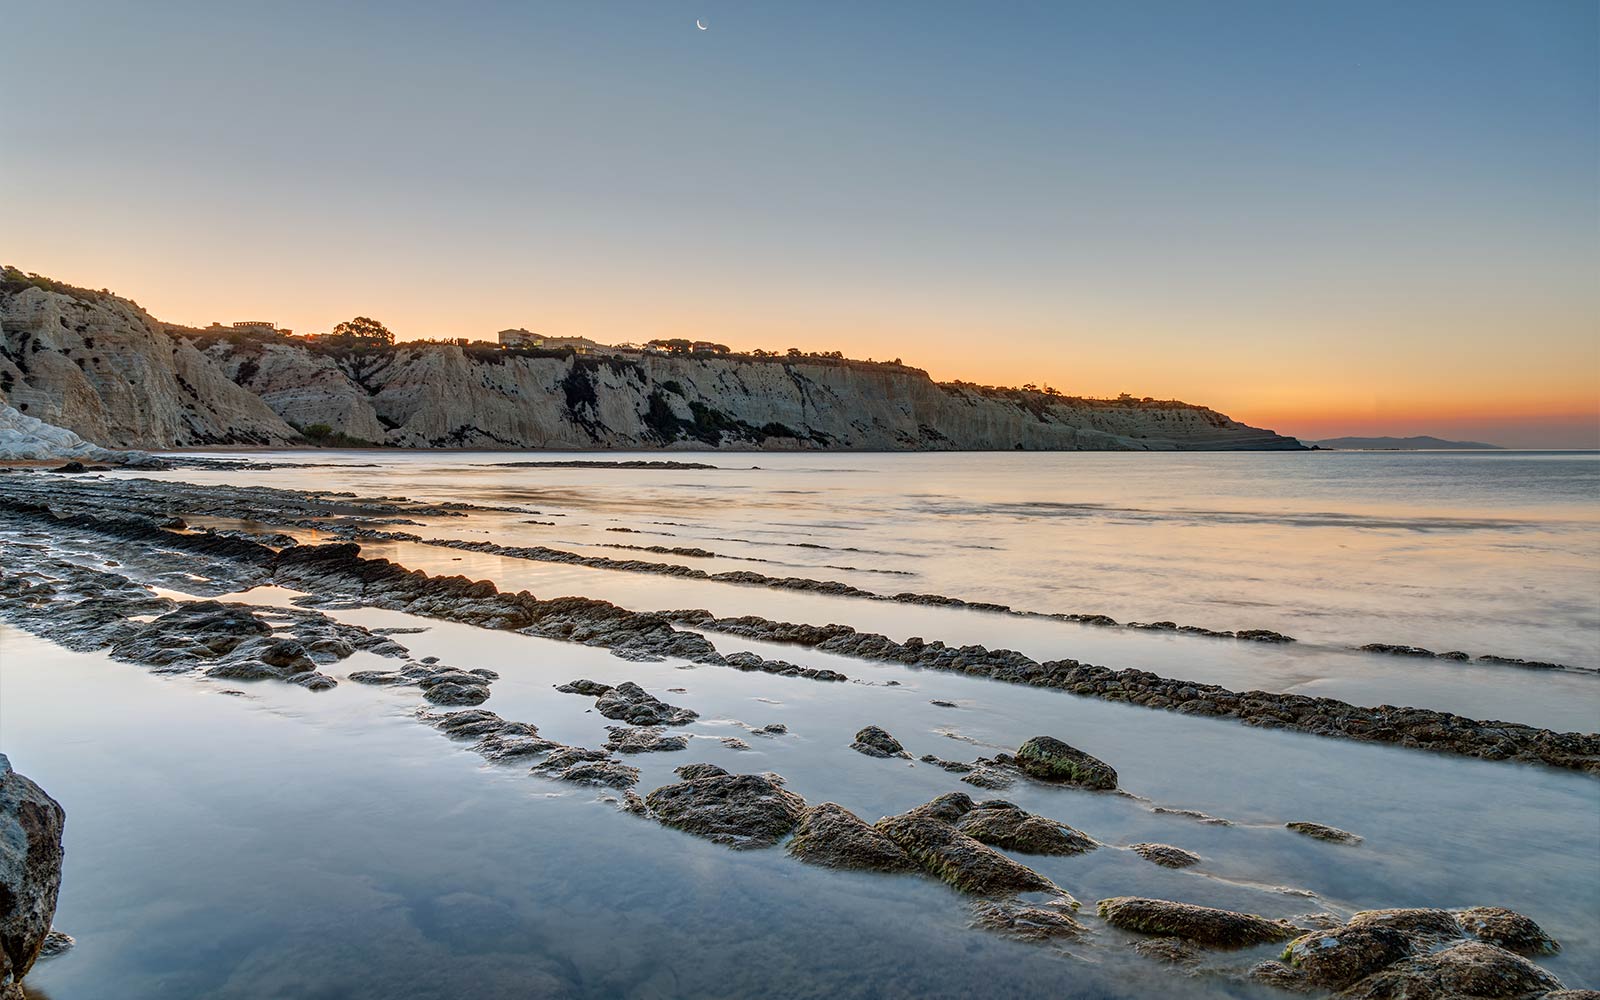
[1472,970]
[30,872]
[1508,929]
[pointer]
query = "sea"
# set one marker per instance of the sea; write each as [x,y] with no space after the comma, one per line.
[326,845]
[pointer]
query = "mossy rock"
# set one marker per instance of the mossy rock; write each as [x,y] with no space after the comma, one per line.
[1014,829]
[1048,758]
[834,837]
[1201,924]
[1165,855]
[1508,929]
[1339,957]
[947,853]
[1471,969]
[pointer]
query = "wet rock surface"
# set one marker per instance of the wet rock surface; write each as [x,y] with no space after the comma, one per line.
[645,739]
[691,771]
[1165,855]
[1317,831]
[742,811]
[31,824]
[834,837]
[634,705]
[55,943]
[1472,970]
[1026,922]
[953,766]
[1002,825]
[1510,930]
[1422,926]
[587,767]
[952,856]
[1339,957]
[1202,925]
[876,742]
[1049,759]
[1415,728]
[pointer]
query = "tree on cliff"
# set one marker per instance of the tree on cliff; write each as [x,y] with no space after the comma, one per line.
[363,330]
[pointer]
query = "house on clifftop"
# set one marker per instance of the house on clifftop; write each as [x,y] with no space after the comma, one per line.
[525,338]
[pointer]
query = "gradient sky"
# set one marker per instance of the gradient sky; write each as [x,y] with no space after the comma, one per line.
[1334,217]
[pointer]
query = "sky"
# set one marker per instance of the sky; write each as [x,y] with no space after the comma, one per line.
[1321,217]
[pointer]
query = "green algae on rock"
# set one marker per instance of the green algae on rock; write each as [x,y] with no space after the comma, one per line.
[1048,758]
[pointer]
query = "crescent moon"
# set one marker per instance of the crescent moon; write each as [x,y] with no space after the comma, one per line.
[697,24]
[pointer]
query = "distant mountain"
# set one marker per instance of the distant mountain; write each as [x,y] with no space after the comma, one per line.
[1420,443]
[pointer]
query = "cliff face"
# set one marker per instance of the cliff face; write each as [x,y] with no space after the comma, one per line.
[102,367]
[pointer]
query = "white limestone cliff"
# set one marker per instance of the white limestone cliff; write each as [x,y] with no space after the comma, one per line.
[100,366]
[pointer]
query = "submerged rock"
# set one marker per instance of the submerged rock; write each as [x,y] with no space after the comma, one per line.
[1204,925]
[953,766]
[55,943]
[992,778]
[1275,973]
[1165,855]
[632,704]
[1025,921]
[1012,829]
[1049,759]
[30,871]
[1471,970]
[1508,929]
[1329,833]
[947,853]
[740,810]
[834,837]
[1336,958]
[1175,951]
[876,742]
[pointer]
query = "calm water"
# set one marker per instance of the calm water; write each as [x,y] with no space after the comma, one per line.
[299,845]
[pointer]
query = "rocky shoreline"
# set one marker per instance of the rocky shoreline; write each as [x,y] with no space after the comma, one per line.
[337,574]
[47,587]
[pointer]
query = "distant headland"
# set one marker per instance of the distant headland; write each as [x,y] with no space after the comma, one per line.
[1421,442]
